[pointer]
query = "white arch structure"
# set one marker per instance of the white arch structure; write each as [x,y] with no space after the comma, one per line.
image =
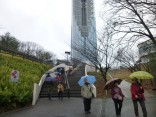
[37,87]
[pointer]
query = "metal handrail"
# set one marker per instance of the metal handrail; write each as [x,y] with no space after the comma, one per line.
[67,84]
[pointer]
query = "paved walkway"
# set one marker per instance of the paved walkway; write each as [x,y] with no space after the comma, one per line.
[127,109]
[73,107]
[108,109]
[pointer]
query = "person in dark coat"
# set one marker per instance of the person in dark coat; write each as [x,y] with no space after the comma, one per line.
[137,94]
[49,86]
[48,75]
[117,97]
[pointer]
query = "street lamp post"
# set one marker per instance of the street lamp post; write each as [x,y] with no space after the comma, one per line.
[68,53]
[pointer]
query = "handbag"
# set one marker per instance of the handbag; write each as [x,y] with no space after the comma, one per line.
[119,97]
[91,92]
[92,95]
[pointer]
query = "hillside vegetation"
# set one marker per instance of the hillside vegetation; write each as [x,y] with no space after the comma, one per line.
[14,95]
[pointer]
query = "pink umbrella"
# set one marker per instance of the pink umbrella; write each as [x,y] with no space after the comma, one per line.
[110,83]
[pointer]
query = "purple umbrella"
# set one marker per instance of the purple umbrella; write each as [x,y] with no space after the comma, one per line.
[110,83]
[50,79]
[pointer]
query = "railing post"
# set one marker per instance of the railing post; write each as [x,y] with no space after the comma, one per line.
[67,84]
[68,93]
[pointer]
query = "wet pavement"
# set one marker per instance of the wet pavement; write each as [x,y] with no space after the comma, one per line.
[73,107]
[108,108]
[127,109]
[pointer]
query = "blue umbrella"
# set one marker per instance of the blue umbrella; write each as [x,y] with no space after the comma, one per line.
[91,79]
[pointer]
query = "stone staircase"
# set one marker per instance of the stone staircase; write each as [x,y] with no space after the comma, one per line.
[45,88]
[75,89]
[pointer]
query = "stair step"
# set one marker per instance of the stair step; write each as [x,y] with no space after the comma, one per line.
[55,94]
[75,89]
[64,95]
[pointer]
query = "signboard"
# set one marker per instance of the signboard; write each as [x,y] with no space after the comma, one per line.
[14,76]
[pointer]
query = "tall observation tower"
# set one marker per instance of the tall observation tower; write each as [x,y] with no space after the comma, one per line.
[83,30]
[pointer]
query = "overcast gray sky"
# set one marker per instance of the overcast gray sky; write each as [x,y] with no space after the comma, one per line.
[45,22]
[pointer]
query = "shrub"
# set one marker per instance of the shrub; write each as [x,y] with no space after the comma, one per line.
[13,95]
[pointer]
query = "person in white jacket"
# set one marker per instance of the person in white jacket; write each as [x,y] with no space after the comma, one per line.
[86,93]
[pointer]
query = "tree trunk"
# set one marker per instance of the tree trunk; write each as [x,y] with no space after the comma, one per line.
[103,73]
